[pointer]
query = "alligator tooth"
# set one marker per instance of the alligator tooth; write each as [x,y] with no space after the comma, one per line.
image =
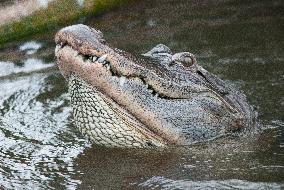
[108,67]
[156,95]
[57,48]
[80,56]
[122,80]
[95,58]
[102,58]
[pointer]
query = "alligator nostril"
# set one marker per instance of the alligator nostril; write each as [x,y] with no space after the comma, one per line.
[201,74]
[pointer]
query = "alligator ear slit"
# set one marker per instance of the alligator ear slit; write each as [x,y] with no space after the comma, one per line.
[201,74]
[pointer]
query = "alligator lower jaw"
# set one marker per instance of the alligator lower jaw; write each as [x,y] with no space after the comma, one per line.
[106,123]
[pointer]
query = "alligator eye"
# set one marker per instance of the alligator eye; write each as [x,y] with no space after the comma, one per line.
[185,59]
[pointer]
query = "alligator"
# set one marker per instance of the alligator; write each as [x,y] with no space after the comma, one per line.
[158,99]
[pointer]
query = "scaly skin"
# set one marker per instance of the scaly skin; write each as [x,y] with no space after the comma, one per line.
[159,100]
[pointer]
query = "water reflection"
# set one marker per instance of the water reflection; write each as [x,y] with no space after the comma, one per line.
[30,47]
[167,184]
[28,65]
[231,163]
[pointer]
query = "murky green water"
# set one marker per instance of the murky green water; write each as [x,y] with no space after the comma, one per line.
[241,41]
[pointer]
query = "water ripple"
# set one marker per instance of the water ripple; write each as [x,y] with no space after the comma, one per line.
[33,153]
[160,182]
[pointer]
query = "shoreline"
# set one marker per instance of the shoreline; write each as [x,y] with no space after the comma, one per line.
[49,16]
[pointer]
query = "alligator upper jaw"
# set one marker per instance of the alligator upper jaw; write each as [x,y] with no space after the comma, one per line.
[89,43]
[105,65]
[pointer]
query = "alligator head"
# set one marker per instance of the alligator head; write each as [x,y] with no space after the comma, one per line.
[158,99]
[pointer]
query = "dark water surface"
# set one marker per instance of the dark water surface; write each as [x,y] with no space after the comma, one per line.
[240,41]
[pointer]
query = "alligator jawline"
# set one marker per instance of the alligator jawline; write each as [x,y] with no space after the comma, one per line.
[132,120]
[107,65]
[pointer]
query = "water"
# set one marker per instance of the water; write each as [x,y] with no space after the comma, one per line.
[239,41]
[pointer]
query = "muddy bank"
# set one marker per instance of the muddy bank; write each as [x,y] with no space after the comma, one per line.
[30,17]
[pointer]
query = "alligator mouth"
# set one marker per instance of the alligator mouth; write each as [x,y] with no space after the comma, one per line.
[102,60]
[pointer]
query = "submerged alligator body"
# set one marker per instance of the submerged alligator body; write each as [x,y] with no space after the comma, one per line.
[160,99]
